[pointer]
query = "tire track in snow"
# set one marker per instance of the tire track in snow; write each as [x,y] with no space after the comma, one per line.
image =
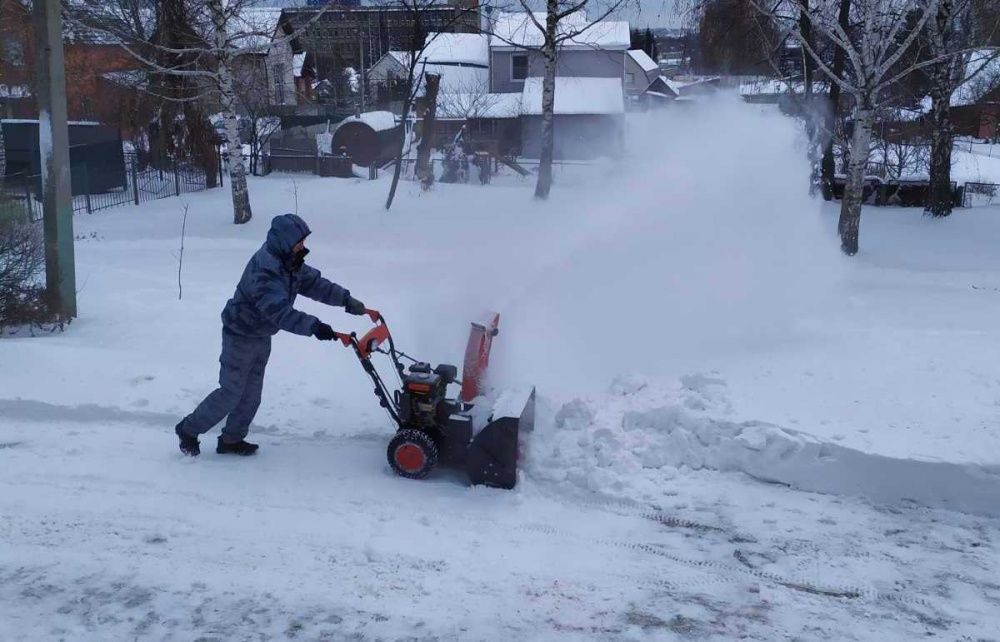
[627,508]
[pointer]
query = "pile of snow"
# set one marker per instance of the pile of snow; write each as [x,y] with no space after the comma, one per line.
[632,441]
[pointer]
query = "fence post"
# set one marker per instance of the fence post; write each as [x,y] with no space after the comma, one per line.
[135,183]
[177,180]
[86,188]
[28,200]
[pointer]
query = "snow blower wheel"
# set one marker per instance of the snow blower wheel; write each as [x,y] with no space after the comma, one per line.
[412,454]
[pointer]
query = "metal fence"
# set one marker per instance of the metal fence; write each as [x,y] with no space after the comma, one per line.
[980,194]
[131,184]
[485,169]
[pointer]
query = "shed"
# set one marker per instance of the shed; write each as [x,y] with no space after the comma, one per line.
[96,158]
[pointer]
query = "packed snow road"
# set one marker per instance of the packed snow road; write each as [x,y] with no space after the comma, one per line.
[111,534]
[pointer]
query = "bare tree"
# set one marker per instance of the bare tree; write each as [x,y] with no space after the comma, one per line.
[419,15]
[950,35]
[564,21]
[221,32]
[882,32]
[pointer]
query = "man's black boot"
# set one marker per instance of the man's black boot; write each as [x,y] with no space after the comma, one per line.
[189,445]
[241,447]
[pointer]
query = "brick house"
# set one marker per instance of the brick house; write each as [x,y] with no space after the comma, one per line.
[91,61]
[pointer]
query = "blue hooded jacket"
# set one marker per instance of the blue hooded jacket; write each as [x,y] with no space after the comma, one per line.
[265,296]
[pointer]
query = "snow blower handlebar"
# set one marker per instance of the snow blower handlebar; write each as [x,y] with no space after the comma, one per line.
[364,347]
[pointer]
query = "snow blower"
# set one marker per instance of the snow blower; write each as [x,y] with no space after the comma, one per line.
[433,428]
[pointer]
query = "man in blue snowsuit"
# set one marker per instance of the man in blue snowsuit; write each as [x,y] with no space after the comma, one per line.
[262,305]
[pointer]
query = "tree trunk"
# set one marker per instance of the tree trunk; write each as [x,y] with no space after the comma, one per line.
[425,168]
[940,199]
[809,106]
[828,165]
[3,151]
[943,83]
[227,101]
[850,207]
[544,185]
[397,168]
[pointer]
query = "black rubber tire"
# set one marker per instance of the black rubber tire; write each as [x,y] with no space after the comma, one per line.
[410,438]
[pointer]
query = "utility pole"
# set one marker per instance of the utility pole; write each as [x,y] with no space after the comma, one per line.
[53,149]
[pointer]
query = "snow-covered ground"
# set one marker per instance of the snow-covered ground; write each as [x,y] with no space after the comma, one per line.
[740,432]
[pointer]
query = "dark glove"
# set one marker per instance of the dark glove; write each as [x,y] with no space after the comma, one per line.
[323,332]
[353,306]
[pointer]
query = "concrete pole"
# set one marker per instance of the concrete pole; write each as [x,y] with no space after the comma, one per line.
[53,148]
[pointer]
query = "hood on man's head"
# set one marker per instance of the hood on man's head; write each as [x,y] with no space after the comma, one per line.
[285,233]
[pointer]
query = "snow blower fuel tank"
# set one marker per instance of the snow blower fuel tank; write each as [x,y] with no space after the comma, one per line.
[471,431]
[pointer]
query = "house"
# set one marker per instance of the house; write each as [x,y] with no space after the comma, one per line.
[641,73]
[392,66]
[599,52]
[589,115]
[590,87]
[90,59]
[462,60]
[975,105]
[359,36]
[256,82]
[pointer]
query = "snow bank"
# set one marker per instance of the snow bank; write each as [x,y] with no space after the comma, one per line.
[634,440]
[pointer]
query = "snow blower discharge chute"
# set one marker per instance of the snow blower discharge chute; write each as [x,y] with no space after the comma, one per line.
[433,428]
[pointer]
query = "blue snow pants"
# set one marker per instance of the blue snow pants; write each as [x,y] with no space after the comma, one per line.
[241,380]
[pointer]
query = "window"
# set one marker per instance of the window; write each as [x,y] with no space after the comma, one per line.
[279,84]
[13,52]
[518,66]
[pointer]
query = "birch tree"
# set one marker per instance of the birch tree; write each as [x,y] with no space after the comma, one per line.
[881,33]
[563,21]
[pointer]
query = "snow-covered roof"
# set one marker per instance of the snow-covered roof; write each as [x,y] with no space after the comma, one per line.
[661,87]
[402,57]
[983,73]
[576,96]
[459,78]
[459,106]
[377,120]
[457,48]
[642,59]
[519,30]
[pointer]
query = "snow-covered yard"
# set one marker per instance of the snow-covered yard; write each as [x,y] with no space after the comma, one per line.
[740,432]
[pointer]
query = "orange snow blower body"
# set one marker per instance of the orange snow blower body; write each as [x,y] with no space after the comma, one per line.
[431,427]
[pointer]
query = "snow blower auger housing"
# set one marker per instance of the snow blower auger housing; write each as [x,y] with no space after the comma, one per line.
[433,428]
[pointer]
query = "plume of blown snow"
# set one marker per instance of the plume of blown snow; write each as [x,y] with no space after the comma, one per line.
[708,244]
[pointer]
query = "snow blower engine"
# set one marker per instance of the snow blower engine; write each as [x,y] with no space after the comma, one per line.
[433,428]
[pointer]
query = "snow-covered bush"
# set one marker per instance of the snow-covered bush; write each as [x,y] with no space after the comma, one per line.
[21,267]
